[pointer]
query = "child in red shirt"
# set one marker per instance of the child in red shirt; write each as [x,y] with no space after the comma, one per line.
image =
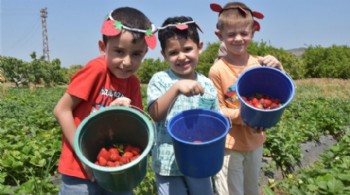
[107,80]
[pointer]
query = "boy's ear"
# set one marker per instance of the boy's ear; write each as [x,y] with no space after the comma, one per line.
[218,34]
[102,47]
[200,47]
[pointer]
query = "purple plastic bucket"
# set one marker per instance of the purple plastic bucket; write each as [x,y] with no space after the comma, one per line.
[202,159]
[267,81]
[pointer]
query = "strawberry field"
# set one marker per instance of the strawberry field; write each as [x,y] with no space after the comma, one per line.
[30,141]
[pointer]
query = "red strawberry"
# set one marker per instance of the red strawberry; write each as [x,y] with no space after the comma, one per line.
[110,164]
[267,103]
[103,153]
[136,150]
[113,151]
[114,157]
[116,163]
[102,161]
[128,154]
[134,157]
[151,41]
[124,160]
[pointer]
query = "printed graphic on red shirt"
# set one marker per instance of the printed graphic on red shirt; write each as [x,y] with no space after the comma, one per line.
[105,98]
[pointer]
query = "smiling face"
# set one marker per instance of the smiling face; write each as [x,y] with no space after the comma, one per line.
[182,55]
[237,38]
[123,55]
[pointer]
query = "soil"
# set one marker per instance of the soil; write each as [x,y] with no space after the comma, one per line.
[311,152]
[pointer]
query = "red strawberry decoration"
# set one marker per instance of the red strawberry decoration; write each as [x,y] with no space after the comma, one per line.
[182,26]
[111,28]
[151,41]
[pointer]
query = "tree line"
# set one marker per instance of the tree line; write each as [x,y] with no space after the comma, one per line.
[314,62]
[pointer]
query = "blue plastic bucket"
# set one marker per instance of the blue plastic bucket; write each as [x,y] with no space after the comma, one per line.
[115,125]
[267,81]
[186,128]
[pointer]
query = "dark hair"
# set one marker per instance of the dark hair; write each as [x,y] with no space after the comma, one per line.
[132,18]
[171,31]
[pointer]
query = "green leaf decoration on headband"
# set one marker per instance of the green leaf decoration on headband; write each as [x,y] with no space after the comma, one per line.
[149,32]
[118,25]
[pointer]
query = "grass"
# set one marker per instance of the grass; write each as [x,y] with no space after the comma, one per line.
[323,87]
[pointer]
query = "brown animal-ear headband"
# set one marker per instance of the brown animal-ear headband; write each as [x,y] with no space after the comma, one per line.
[244,11]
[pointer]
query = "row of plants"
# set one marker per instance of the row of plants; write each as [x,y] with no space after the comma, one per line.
[329,175]
[30,137]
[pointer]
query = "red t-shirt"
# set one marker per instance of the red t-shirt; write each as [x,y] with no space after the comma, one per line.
[97,87]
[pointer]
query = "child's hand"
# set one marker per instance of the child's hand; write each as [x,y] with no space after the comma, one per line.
[254,129]
[258,129]
[190,87]
[271,61]
[122,101]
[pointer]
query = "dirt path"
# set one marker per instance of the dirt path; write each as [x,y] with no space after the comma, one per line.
[310,151]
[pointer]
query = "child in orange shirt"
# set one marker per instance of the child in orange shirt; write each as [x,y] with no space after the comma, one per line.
[243,154]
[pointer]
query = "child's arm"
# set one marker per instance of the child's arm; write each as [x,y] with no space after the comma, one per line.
[159,108]
[271,61]
[63,112]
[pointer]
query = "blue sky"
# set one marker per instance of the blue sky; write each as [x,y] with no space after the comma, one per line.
[74,25]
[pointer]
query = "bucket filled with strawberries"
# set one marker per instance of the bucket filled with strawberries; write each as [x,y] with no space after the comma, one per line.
[115,143]
[264,92]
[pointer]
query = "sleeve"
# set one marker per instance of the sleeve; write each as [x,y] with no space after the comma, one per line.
[155,89]
[85,81]
[232,114]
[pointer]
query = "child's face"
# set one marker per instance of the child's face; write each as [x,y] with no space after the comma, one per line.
[182,55]
[236,38]
[123,57]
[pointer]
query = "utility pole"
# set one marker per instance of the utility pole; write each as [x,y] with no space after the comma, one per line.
[45,34]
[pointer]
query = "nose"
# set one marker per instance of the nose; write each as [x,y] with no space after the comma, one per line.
[182,56]
[238,37]
[126,61]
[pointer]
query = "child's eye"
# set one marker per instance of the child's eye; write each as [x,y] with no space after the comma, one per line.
[137,54]
[244,33]
[172,53]
[119,52]
[188,49]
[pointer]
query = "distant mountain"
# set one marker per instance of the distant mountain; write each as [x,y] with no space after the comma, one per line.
[298,52]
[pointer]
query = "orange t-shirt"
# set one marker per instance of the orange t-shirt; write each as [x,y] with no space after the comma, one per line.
[224,77]
[97,87]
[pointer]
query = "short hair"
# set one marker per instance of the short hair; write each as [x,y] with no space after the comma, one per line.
[171,31]
[132,18]
[230,15]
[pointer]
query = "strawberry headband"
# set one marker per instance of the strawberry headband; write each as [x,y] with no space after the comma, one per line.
[113,27]
[181,26]
[244,11]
